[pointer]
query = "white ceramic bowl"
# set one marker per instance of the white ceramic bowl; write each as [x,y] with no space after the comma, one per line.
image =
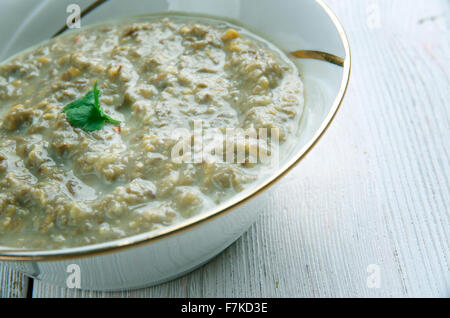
[154,257]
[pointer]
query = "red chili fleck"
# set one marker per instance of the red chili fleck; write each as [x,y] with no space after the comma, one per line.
[117,129]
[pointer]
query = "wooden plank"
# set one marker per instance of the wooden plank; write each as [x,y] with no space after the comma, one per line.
[374,190]
[12,284]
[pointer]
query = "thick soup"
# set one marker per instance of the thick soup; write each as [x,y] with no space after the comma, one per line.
[72,178]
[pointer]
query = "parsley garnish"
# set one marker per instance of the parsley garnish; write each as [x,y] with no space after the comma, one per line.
[86,113]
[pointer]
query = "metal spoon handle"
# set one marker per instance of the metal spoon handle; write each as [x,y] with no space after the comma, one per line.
[318,55]
[83,13]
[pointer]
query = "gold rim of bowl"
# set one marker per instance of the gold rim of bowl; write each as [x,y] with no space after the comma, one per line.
[150,237]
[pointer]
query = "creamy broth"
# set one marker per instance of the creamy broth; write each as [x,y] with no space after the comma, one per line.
[61,186]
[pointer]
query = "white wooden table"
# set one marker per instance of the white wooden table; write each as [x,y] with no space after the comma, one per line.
[373,195]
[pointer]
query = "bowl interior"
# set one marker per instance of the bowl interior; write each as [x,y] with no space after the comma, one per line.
[290,24]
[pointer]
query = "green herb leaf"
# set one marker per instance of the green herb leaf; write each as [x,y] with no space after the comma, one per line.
[86,113]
